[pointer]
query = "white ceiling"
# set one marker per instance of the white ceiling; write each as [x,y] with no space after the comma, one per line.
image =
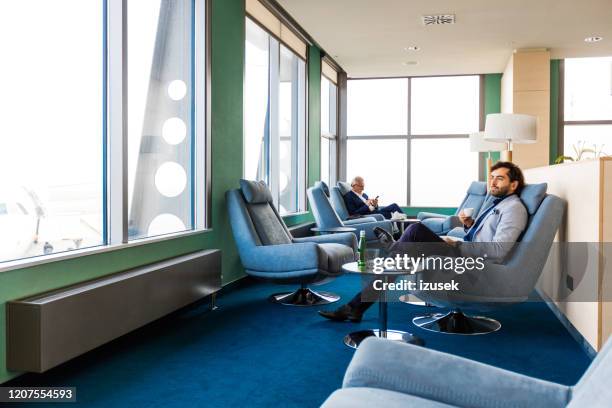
[367,37]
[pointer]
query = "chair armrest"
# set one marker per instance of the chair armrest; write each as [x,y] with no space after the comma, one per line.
[451,222]
[359,220]
[344,238]
[280,258]
[448,379]
[423,215]
[379,217]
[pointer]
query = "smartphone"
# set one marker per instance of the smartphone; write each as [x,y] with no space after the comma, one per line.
[377,197]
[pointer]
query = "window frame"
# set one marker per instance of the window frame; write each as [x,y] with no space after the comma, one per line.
[272,139]
[331,137]
[561,122]
[409,136]
[115,137]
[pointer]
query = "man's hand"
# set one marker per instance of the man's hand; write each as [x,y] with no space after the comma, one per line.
[375,202]
[450,241]
[465,220]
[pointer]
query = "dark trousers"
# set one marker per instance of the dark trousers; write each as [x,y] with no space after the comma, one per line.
[415,233]
[388,210]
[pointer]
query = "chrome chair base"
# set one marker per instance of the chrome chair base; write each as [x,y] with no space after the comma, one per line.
[414,301]
[304,297]
[354,339]
[456,322]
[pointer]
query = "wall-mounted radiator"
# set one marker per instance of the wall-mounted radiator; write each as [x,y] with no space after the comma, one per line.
[49,329]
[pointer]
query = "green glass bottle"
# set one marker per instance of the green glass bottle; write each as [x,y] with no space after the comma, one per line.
[361,263]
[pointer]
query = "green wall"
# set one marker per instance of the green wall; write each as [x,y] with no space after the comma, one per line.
[492,104]
[314,120]
[227,130]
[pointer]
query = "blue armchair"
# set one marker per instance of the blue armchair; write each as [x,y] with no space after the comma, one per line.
[345,215]
[326,217]
[394,375]
[337,199]
[442,224]
[506,281]
[269,252]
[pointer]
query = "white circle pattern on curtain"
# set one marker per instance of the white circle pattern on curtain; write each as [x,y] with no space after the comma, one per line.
[177,90]
[165,224]
[174,131]
[170,179]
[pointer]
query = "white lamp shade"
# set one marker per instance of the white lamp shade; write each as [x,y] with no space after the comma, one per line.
[479,144]
[511,127]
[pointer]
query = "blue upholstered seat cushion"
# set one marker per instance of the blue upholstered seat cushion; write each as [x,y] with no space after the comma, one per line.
[532,196]
[323,187]
[255,192]
[344,187]
[363,397]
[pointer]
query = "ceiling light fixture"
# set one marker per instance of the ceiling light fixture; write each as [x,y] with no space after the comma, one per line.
[412,48]
[593,39]
[407,63]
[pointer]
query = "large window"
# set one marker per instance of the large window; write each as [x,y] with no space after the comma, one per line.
[82,172]
[408,137]
[329,121]
[587,107]
[161,132]
[275,118]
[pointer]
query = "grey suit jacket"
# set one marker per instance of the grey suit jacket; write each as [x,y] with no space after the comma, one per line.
[499,230]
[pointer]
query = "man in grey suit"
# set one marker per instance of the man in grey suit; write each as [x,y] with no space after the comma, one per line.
[502,219]
[492,233]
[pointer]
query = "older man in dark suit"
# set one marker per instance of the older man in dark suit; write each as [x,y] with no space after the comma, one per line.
[358,203]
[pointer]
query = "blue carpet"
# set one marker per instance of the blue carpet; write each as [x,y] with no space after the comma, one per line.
[251,353]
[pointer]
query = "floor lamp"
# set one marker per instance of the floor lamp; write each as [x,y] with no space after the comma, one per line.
[510,128]
[480,145]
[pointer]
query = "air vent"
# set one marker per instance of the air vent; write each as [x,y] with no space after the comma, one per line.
[438,19]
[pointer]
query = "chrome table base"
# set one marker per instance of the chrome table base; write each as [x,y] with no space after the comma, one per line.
[354,339]
[304,297]
[414,301]
[456,322]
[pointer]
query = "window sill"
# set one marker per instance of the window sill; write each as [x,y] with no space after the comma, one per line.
[62,256]
[295,214]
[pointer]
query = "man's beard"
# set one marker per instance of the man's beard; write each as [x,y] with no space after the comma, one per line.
[501,192]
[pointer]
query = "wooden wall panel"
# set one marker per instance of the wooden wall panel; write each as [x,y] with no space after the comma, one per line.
[536,103]
[532,71]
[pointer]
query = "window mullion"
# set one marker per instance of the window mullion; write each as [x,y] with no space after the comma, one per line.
[408,142]
[302,139]
[116,158]
[200,83]
[274,136]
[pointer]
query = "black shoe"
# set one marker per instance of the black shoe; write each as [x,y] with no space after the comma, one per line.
[385,238]
[343,313]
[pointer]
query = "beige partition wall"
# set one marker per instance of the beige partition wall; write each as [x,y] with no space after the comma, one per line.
[526,89]
[577,276]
